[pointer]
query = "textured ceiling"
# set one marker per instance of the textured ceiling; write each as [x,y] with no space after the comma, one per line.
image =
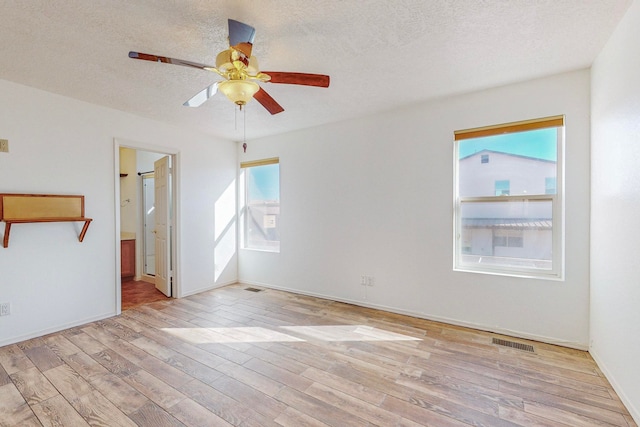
[380,54]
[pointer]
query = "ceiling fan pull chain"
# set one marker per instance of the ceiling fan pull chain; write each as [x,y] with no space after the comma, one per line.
[244,130]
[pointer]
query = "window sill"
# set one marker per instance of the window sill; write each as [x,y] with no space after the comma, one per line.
[516,274]
[271,251]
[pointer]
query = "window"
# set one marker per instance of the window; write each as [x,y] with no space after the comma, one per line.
[508,213]
[262,205]
[550,185]
[508,238]
[484,158]
[502,188]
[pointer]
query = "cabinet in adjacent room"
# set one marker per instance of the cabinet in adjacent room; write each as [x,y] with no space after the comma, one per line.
[128,258]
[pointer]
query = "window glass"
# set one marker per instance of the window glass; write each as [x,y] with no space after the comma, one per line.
[262,215]
[507,213]
[509,233]
[550,185]
[523,160]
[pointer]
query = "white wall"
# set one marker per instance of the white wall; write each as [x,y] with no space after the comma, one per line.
[128,191]
[615,194]
[145,161]
[63,146]
[374,197]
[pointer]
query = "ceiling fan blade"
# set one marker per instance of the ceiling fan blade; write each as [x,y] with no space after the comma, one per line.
[241,37]
[199,98]
[319,80]
[268,102]
[166,60]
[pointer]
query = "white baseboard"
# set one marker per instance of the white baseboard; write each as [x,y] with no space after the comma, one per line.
[147,278]
[57,328]
[631,406]
[426,316]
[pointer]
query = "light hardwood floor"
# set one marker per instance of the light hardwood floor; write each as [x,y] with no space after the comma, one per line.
[139,292]
[234,357]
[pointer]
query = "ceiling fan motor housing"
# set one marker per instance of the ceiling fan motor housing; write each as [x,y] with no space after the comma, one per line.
[225,63]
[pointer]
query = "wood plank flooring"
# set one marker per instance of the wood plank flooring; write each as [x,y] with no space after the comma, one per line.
[135,293]
[231,357]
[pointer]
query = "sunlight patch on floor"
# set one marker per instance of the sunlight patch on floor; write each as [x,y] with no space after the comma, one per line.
[348,333]
[259,334]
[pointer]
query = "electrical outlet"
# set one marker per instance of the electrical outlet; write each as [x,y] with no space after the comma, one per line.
[367,280]
[5,309]
[4,145]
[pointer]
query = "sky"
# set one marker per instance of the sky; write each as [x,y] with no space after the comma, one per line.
[265,182]
[540,144]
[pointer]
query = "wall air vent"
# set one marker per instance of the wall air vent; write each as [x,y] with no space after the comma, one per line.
[253,289]
[516,345]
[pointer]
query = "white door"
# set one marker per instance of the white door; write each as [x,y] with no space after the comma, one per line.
[162,225]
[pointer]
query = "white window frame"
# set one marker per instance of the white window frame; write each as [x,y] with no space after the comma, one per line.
[245,205]
[557,201]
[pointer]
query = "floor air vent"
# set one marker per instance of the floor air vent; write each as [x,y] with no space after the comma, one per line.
[253,289]
[516,345]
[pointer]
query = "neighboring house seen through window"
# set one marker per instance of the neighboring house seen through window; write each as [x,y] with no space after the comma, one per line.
[508,213]
[550,185]
[261,214]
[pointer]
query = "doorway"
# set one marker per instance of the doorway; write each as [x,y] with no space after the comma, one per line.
[139,226]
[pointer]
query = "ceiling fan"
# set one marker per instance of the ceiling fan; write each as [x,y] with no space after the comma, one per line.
[240,72]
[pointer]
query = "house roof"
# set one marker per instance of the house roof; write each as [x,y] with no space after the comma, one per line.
[509,223]
[479,153]
[380,54]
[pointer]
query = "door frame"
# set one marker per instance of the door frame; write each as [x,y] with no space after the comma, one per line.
[175,204]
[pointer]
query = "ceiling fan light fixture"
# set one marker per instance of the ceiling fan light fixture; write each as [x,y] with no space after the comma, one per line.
[238,91]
